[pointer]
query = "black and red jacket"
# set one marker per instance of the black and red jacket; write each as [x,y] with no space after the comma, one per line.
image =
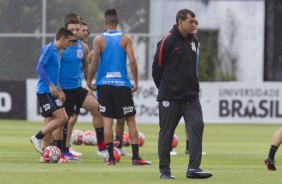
[175,67]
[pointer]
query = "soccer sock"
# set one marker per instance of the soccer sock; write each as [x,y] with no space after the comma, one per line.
[187,144]
[118,138]
[135,151]
[272,151]
[40,135]
[57,143]
[65,133]
[110,148]
[100,135]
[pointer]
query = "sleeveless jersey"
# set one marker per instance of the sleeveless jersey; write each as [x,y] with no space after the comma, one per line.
[71,66]
[112,68]
[50,57]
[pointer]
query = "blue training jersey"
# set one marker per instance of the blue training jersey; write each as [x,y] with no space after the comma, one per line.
[71,66]
[50,57]
[112,66]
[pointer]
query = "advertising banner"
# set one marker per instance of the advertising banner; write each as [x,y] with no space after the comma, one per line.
[222,102]
[12,100]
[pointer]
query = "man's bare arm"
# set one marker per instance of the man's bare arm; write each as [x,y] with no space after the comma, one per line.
[85,64]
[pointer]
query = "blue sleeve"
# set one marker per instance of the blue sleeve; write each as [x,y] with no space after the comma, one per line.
[43,61]
[42,73]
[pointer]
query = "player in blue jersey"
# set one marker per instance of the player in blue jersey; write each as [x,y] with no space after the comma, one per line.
[48,90]
[115,90]
[73,63]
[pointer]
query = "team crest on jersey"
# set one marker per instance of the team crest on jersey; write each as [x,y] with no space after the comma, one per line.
[193,46]
[79,53]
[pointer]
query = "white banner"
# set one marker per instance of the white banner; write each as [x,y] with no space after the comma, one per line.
[222,102]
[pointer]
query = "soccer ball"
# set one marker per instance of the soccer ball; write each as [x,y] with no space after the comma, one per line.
[174,141]
[76,137]
[51,154]
[117,154]
[141,139]
[125,139]
[89,138]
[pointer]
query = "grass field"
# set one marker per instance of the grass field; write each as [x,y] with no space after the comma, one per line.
[235,155]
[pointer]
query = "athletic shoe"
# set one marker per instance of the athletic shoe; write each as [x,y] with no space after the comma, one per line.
[70,156]
[63,159]
[123,152]
[166,175]
[197,174]
[110,162]
[104,152]
[41,160]
[75,153]
[270,164]
[36,143]
[173,153]
[116,143]
[140,161]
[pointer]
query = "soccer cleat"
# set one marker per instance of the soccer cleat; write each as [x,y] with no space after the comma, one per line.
[63,159]
[197,174]
[36,143]
[166,175]
[140,161]
[270,164]
[173,153]
[116,143]
[75,153]
[110,162]
[123,152]
[42,160]
[70,156]
[103,153]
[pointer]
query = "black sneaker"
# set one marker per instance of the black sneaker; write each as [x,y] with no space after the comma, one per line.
[270,164]
[197,174]
[166,176]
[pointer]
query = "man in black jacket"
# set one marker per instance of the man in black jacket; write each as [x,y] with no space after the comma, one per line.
[175,75]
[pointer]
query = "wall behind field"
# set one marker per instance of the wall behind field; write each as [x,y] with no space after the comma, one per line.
[240,25]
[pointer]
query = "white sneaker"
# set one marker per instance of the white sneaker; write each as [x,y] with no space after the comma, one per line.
[123,152]
[41,160]
[36,143]
[173,153]
[75,153]
[103,153]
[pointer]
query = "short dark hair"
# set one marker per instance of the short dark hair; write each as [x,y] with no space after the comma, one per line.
[70,16]
[111,16]
[182,14]
[82,22]
[63,32]
[72,21]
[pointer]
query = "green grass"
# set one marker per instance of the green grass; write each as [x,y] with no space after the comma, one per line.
[235,155]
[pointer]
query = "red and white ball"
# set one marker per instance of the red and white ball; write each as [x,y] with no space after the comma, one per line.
[76,137]
[141,139]
[51,154]
[117,154]
[89,138]
[125,139]
[174,141]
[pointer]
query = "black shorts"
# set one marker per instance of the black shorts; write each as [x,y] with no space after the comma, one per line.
[74,98]
[48,104]
[115,102]
[76,110]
